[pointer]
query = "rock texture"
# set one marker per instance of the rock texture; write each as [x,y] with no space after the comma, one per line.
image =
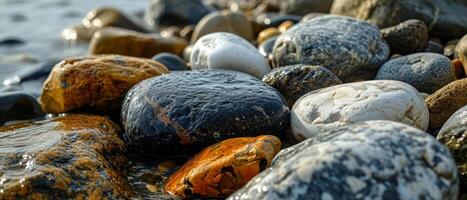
[99,82]
[341,105]
[369,160]
[71,157]
[427,72]
[228,51]
[221,169]
[297,80]
[350,48]
[444,102]
[183,112]
[407,37]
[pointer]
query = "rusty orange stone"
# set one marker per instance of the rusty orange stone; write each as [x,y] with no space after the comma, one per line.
[99,82]
[224,167]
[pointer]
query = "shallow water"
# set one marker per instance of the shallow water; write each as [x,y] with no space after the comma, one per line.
[37,25]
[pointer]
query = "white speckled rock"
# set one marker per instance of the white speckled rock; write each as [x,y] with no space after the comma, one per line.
[223,50]
[332,107]
[368,160]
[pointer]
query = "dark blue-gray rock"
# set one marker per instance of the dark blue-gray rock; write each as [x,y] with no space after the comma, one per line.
[427,72]
[351,49]
[8,42]
[266,47]
[369,160]
[16,106]
[445,18]
[453,134]
[162,13]
[184,112]
[297,80]
[407,37]
[434,47]
[303,7]
[171,61]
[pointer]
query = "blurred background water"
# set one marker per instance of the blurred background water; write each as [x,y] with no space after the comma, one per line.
[30,30]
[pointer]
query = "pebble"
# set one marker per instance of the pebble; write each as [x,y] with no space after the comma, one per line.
[459,69]
[444,102]
[228,51]
[266,47]
[108,16]
[174,12]
[207,176]
[267,20]
[408,37]
[285,26]
[171,61]
[303,7]
[445,19]
[267,33]
[18,106]
[350,48]
[427,72]
[461,50]
[129,43]
[10,42]
[341,105]
[450,49]
[70,157]
[183,112]
[79,33]
[224,21]
[434,47]
[369,160]
[297,80]
[99,82]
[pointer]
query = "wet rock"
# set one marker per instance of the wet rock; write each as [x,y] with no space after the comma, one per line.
[351,49]
[18,106]
[224,21]
[266,47]
[407,37]
[266,34]
[71,157]
[108,16]
[79,33]
[268,20]
[427,72]
[368,160]
[130,43]
[450,49]
[186,111]
[207,176]
[444,102]
[297,80]
[228,51]
[303,7]
[174,12]
[439,15]
[285,26]
[434,47]
[336,106]
[9,42]
[453,134]
[171,61]
[461,50]
[99,82]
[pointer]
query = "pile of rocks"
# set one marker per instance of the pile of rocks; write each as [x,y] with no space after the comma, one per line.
[246,99]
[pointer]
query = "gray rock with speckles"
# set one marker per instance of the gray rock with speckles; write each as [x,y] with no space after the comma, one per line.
[427,72]
[368,160]
[350,48]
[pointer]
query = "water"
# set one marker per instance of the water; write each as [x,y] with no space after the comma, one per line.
[39,23]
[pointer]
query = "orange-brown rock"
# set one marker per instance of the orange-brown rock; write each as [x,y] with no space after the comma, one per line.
[112,40]
[70,157]
[285,26]
[458,68]
[98,82]
[444,102]
[222,168]
[267,33]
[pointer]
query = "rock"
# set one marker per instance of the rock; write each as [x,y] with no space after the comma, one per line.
[228,51]
[459,69]
[434,47]
[187,32]
[368,160]
[171,31]
[303,7]
[336,106]
[171,61]
[186,111]
[268,20]
[453,135]
[285,26]
[267,33]
[18,106]
[407,37]
[9,42]
[99,82]
[312,15]
[461,50]
[207,176]
[108,16]
[444,102]
[187,53]
[439,15]
[266,47]
[351,49]
[224,21]
[174,12]
[450,49]
[427,72]
[71,157]
[130,43]
[79,33]
[297,80]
